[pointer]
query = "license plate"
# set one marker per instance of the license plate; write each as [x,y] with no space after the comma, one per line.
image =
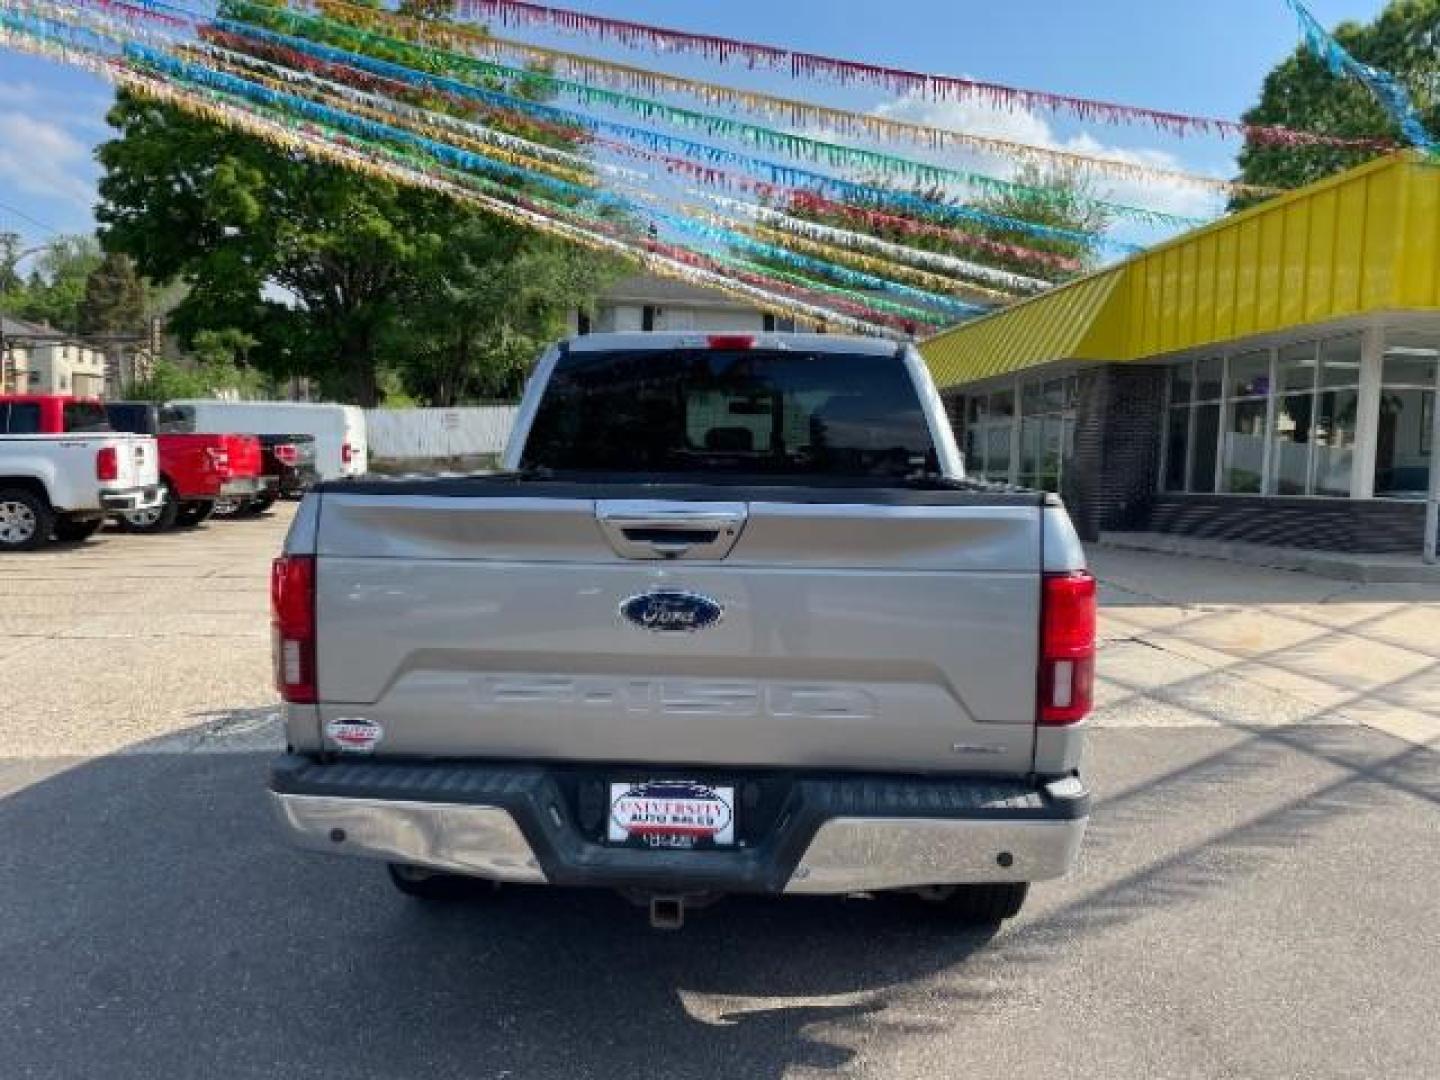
[671,814]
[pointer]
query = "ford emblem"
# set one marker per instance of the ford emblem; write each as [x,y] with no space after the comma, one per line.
[671,612]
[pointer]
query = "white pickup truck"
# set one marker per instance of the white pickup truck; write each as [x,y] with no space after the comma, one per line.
[62,487]
[733,621]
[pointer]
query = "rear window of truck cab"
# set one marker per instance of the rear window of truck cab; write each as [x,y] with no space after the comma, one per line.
[81,416]
[21,418]
[750,412]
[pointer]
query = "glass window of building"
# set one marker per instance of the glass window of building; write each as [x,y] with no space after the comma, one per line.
[1206,428]
[1210,379]
[972,446]
[1043,433]
[988,419]
[1250,375]
[1406,429]
[1292,437]
[1246,411]
[1340,359]
[997,451]
[1337,412]
[1177,429]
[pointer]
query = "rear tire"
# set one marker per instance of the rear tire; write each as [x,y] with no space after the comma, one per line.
[26,520]
[156,520]
[191,514]
[986,905]
[432,885]
[70,531]
[262,502]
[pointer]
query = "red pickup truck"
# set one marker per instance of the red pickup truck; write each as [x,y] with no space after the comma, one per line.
[195,470]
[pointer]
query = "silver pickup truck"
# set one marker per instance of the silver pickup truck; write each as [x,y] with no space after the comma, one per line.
[731,621]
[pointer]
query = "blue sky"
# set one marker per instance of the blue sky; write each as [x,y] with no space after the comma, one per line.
[1205,57]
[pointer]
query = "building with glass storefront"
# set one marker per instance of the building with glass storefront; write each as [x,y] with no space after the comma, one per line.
[1270,378]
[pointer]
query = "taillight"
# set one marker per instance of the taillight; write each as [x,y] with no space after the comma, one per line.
[292,621]
[1067,648]
[107,464]
[286,454]
[346,453]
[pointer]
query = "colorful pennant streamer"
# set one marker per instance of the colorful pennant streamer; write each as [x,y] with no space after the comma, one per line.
[312,141]
[898,252]
[219,81]
[789,110]
[1386,89]
[704,173]
[834,155]
[356,41]
[458,158]
[518,151]
[349,76]
[802,65]
[794,176]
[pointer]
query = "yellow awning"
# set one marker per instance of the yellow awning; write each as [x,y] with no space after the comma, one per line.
[1361,242]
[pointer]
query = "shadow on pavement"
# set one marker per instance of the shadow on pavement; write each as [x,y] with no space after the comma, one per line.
[156,924]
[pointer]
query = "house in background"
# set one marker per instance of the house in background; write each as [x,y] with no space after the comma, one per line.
[643,302]
[38,359]
[15,350]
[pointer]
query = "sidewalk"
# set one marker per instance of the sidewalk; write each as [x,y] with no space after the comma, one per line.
[1193,642]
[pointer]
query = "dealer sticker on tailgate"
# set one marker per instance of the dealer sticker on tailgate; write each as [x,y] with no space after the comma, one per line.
[672,814]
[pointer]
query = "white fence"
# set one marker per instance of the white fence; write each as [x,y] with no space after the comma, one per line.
[438,433]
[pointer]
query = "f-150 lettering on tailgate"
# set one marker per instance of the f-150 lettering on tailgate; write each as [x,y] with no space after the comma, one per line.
[697,697]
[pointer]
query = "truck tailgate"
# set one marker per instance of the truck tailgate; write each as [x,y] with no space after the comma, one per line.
[849,634]
[137,461]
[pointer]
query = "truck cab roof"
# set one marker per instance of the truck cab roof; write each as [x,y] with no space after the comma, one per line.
[718,339]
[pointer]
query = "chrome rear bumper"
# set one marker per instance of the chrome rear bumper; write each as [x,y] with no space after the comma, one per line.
[479,840]
[240,487]
[851,855]
[129,500]
[844,854]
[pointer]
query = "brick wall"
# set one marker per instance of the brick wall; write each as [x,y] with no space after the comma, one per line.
[1109,481]
[1381,526]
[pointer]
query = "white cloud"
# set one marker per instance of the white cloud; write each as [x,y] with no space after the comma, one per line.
[41,158]
[19,93]
[1022,126]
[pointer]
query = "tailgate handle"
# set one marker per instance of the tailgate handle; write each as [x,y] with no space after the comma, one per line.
[641,529]
[682,537]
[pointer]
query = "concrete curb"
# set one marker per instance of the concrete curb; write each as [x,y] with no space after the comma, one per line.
[1368,569]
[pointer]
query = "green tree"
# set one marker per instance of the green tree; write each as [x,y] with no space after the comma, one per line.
[10,251]
[167,381]
[1061,200]
[56,287]
[327,270]
[114,301]
[492,297]
[304,257]
[1301,93]
[216,365]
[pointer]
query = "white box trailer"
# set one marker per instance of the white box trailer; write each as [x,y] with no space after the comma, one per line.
[341,444]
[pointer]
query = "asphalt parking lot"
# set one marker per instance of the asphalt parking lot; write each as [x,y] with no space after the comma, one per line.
[1256,896]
